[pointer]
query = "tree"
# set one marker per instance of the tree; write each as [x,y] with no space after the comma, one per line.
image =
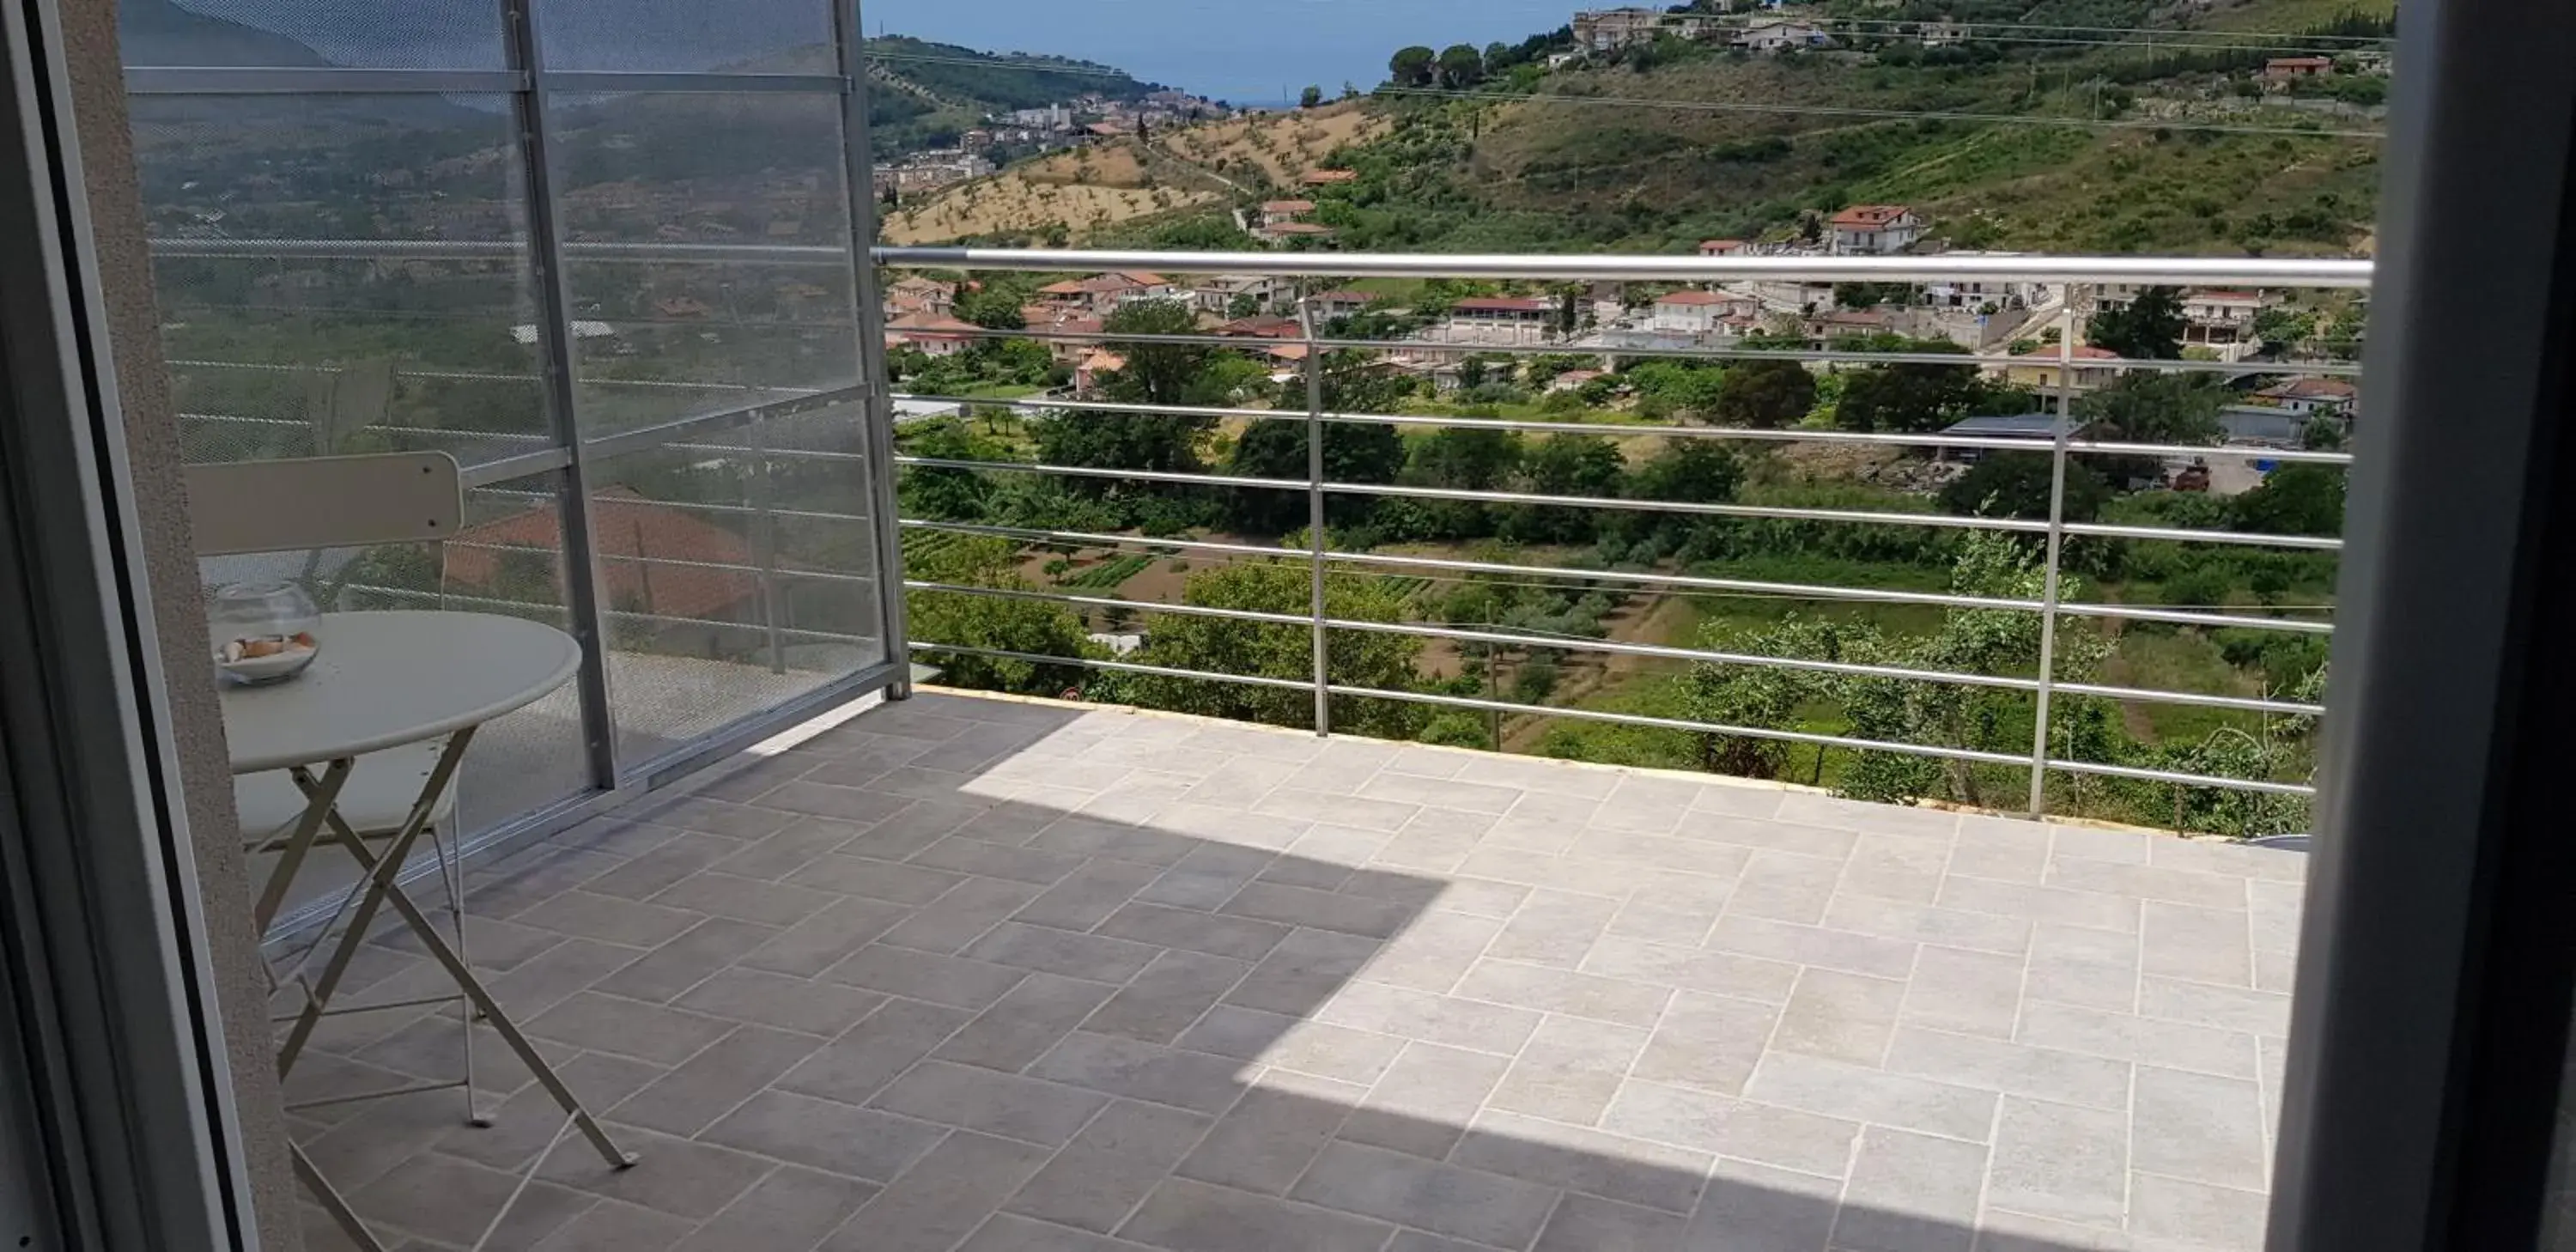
[1311,98]
[1461,66]
[2151,406]
[1694,471]
[1413,67]
[1765,697]
[1907,398]
[2282,329]
[2147,328]
[953,495]
[1381,660]
[1566,465]
[1354,452]
[1765,395]
[991,307]
[993,622]
[1155,373]
[2018,484]
[2295,500]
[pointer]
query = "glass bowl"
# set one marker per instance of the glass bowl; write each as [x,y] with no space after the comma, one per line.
[263,632]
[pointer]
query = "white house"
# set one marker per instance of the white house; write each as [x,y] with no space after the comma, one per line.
[1780,34]
[1699,312]
[1874,229]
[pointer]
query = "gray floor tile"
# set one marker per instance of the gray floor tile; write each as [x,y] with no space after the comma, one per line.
[2193,1214]
[1911,1193]
[2196,1127]
[1864,1093]
[1969,993]
[1266,1141]
[1582,1223]
[1168,997]
[686,960]
[1569,1070]
[1025,1022]
[1578,1159]
[819,942]
[1539,988]
[1140,1071]
[1086,897]
[1099,1178]
[789,1211]
[604,1023]
[1026,1109]
[2057,1161]
[611,1226]
[961,915]
[1725,1126]
[1426,1195]
[826,1135]
[942,1198]
[871,1054]
[682,1177]
[951,980]
[1063,952]
[1450,1021]
[712,1083]
[1847,1017]
[1708,1042]
[1426,1098]
[809,1006]
[1186,1216]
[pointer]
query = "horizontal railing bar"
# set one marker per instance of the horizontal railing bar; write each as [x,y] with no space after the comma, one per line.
[1679,582]
[1123,408]
[725,510]
[2186,780]
[1564,347]
[1776,513]
[603,82]
[499,250]
[1121,667]
[2105,530]
[625,614]
[1688,582]
[1093,540]
[1849,669]
[2164,271]
[2209,621]
[504,469]
[1082,471]
[628,558]
[1105,602]
[1672,723]
[660,434]
[229,80]
[2287,456]
[2244,704]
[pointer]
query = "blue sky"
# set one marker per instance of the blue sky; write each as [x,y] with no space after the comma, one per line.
[1244,50]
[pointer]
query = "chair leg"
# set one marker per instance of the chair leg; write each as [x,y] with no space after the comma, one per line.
[452,873]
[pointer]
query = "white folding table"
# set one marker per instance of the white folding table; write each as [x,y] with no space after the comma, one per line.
[385,681]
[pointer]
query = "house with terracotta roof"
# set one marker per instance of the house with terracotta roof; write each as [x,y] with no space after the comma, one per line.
[1217,293]
[1285,231]
[1874,229]
[1107,293]
[1698,312]
[671,567]
[1281,212]
[1721,247]
[930,334]
[1340,303]
[2284,69]
[2331,397]
[2038,369]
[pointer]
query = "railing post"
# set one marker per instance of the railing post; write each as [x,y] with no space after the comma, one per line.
[581,562]
[1315,512]
[877,417]
[2049,597]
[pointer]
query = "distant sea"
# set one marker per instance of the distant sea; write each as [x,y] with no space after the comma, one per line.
[1242,51]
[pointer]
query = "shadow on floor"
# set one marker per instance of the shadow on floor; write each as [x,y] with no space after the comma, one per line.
[956,976]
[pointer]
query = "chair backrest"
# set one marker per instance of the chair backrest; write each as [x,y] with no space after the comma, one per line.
[324,502]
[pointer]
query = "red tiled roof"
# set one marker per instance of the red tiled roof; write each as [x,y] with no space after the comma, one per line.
[1715,247]
[624,527]
[1869,216]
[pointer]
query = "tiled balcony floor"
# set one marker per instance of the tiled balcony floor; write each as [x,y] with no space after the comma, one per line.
[967,973]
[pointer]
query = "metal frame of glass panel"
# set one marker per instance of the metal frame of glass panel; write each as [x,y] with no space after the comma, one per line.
[526,78]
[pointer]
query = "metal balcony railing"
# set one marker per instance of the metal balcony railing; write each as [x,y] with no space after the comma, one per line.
[2063,447]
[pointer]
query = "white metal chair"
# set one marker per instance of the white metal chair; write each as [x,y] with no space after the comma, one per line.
[316,505]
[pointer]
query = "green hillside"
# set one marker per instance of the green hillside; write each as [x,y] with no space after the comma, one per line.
[926,94]
[2164,139]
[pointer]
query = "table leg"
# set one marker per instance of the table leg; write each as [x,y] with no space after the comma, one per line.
[481,999]
[317,802]
[333,1203]
[380,882]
